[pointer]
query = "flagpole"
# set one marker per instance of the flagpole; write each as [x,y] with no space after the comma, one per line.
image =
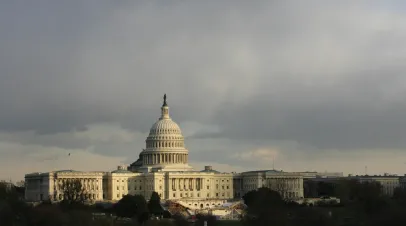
[69,164]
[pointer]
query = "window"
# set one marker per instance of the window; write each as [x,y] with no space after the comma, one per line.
[174,195]
[208,187]
[217,186]
[118,188]
[217,194]
[227,187]
[118,195]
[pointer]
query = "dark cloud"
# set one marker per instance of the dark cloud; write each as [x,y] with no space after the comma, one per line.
[324,75]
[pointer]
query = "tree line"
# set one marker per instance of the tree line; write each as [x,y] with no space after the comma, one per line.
[361,204]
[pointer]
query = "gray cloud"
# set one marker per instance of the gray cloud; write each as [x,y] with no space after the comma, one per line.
[316,75]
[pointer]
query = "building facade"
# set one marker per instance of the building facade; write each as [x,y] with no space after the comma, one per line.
[50,186]
[163,167]
[289,185]
[388,182]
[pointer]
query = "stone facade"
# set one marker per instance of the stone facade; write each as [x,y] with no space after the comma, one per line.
[289,185]
[48,186]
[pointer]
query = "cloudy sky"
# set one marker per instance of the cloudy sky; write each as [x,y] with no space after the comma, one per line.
[315,85]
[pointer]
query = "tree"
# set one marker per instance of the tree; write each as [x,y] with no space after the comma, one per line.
[73,192]
[210,219]
[154,205]
[310,189]
[265,207]
[13,210]
[399,195]
[132,207]
[325,189]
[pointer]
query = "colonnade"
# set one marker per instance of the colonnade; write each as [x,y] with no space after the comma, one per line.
[286,183]
[287,187]
[87,183]
[165,158]
[187,184]
[165,144]
[92,188]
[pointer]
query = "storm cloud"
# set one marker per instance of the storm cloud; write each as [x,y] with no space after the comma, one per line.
[313,84]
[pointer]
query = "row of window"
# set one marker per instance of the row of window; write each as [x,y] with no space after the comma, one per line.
[173,131]
[198,195]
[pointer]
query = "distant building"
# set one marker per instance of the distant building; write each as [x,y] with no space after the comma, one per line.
[289,185]
[311,175]
[402,181]
[388,182]
[7,185]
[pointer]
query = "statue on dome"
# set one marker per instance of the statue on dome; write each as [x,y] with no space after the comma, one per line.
[165,100]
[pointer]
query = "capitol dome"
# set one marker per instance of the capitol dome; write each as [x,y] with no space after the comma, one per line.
[165,133]
[165,146]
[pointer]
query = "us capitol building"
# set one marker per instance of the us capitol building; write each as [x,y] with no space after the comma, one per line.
[163,167]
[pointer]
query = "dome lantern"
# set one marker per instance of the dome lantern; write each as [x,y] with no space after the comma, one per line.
[164,110]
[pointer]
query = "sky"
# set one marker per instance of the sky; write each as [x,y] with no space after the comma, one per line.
[295,85]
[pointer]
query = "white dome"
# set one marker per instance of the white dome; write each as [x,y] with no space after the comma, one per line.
[165,127]
[165,146]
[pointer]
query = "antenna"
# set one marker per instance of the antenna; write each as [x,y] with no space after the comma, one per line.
[366,170]
[273,162]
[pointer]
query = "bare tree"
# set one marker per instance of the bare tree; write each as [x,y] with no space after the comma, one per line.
[73,191]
